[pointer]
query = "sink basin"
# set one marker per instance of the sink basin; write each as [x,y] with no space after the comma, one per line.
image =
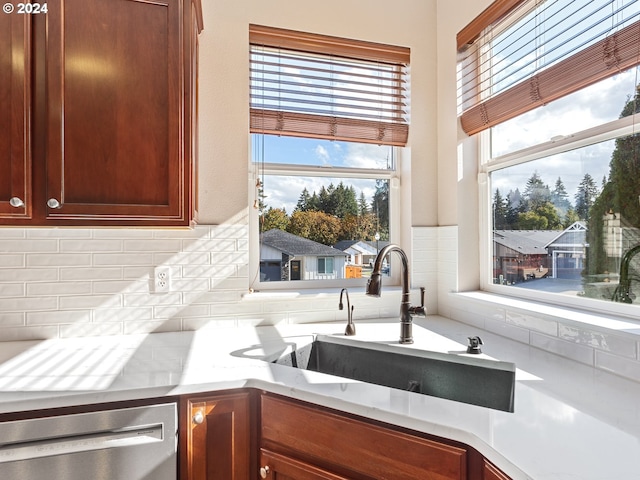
[466,379]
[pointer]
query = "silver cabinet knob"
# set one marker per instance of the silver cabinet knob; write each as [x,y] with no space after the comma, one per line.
[16,202]
[264,471]
[198,418]
[53,203]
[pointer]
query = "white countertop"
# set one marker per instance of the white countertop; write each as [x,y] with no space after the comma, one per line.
[570,421]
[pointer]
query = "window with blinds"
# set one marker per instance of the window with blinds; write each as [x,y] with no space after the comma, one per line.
[317,86]
[540,51]
[561,206]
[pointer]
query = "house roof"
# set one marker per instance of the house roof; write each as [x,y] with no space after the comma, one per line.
[294,245]
[527,242]
[355,246]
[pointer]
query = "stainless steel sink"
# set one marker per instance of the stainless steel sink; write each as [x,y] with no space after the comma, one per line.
[462,378]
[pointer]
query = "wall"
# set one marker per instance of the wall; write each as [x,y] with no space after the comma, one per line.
[73,281]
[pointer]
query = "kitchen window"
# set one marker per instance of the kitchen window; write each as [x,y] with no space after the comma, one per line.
[328,120]
[552,89]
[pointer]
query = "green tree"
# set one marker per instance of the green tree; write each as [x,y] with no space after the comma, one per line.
[536,192]
[619,194]
[317,226]
[380,208]
[274,218]
[499,211]
[585,196]
[560,198]
[304,202]
[363,206]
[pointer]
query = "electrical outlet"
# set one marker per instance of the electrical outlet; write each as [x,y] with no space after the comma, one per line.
[161,279]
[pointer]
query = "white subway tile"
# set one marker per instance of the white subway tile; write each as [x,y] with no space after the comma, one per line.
[58,317]
[11,261]
[58,288]
[90,301]
[122,314]
[152,299]
[155,326]
[618,345]
[25,304]
[123,233]
[624,367]
[12,319]
[28,246]
[58,233]
[120,286]
[573,351]
[124,259]
[12,289]
[532,322]
[155,245]
[28,274]
[91,329]
[38,332]
[59,260]
[93,245]
[90,273]
[12,233]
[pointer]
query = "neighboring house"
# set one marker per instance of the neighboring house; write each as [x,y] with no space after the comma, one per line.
[284,257]
[568,251]
[520,255]
[360,252]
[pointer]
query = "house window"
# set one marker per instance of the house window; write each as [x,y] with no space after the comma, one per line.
[328,118]
[325,265]
[552,89]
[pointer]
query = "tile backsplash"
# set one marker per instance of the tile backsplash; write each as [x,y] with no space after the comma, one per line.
[65,282]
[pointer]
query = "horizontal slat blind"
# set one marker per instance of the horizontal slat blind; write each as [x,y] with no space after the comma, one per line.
[542,52]
[326,87]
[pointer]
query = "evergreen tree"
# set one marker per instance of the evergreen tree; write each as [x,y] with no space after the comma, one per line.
[380,207]
[499,211]
[304,202]
[536,192]
[363,206]
[585,196]
[560,198]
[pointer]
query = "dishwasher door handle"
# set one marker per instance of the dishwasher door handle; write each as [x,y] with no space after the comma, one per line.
[123,437]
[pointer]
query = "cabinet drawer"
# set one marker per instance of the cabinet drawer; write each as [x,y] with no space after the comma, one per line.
[328,439]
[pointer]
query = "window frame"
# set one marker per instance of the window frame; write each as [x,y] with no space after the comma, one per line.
[256,170]
[608,131]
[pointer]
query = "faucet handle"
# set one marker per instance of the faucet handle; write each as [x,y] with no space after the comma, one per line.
[421,310]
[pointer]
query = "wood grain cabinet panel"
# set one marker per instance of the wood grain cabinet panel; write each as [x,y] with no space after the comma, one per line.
[355,448]
[280,467]
[491,472]
[15,108]
[113,111]
[216,437]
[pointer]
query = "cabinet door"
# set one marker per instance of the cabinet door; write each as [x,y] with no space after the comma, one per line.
[115,100]
[274,466]
[15,99]
[490,472]
[217,444]
[342,444]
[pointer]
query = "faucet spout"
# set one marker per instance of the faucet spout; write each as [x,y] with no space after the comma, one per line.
[623,292]
[351,328]
[374,288]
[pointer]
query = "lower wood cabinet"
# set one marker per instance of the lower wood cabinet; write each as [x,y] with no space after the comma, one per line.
[491,472]
[251,435]
[280,467]
[215,435]
[352,448]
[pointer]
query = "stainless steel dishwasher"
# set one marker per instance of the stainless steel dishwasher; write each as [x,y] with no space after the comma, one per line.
[126,444]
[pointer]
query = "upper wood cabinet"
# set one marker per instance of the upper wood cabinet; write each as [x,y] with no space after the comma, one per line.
[101,99]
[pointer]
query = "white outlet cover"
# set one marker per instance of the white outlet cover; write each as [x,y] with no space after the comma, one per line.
[161,279]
